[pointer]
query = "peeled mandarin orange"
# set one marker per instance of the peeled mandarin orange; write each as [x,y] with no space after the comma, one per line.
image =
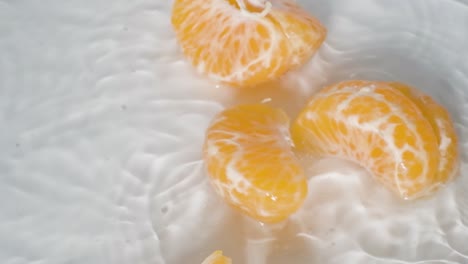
[245,42]
[217,257]
[250,162]
[403,137]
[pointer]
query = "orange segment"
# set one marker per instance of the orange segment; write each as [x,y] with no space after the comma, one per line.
[217,257]
[386,129]
[442,125]
[245,42]
[250,162]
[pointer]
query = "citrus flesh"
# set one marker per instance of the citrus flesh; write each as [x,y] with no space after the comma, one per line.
[245,42]
[250,162]
[402,136]
[217,257]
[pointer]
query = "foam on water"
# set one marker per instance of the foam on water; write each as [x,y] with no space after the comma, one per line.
[102,123]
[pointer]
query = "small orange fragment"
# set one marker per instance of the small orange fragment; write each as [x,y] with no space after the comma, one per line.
[251,164]
[217,257]
[245,42]
[403,137]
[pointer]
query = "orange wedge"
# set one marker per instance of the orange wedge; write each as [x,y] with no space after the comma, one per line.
[403,137]
[217,257]
[245,42]
[250,162]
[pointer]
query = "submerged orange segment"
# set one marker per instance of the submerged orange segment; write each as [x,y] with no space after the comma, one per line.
[250,162]
[383,128]
[244,42]
[217,257]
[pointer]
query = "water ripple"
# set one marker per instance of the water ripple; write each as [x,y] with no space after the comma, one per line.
[102,123]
